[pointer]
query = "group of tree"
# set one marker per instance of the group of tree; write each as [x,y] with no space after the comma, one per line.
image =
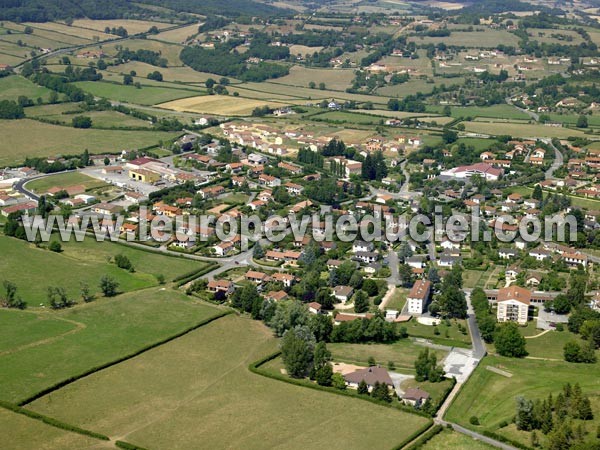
[554,417]
[509,341]
[585,322]
[486,320]
[81,122]
[58,299]
[9,298]
[374,167]
[451,303]
[427,368]
[123,262]
[9,109]
[379,391]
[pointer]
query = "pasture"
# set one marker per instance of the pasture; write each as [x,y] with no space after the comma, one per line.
[98,333]
[169,51]
[21,432]
[132,26]
[181,393]
[218,104]
[494,112]
[491,397]
[12,87]
[33,269]
[452,440]
[73,31]
[28,138]
[146,95]
[180,74]
[486,38]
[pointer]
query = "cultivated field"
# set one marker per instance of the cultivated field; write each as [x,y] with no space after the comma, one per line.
[25,137]
[34,269]
[14,86]
[334,79]
[218,104]
[491,397]
[184,392]
[97,333]
[177,36]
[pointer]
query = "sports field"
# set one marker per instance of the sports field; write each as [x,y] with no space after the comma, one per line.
[58,345]
[218,104]
[33,269]
[25,137]
[193,388]
[63,180]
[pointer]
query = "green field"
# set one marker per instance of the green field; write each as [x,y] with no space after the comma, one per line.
[521,130]
[147,95]
[12,87]
[417,329]
[341,116]
[102,331]
[452,440]
[34,269]
[476,39]
[494,112]
[65,112]
[42,185]
[491,397]
[21,432]
[28,138]
[334,79]
[186,391]
[586,203]
[403,353]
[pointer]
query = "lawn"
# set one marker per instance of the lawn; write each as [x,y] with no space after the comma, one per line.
[452,440]
[34,269]
[403,353]
[12,87]
[186,391]
[19,432]
[491,396]
[104,330]
[28,138]
[551,344]
[218,104]
[147,95]
[398,300]
[64,180]
[471,277]
[453,337]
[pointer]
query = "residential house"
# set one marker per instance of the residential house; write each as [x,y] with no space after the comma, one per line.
[343,293]
[370,375]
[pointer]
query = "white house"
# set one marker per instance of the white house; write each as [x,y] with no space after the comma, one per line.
[418,296]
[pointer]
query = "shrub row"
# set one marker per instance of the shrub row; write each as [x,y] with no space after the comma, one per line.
[445,394]
[186,278]
[425,437]
[506,440]
[51,421]
[95,369]
[128,446]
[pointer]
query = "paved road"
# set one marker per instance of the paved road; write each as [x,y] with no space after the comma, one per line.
[558,160]
[531,114]
[479,350]
[476,436]
[19,186]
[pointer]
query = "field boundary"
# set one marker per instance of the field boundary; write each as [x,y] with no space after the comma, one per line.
[51,421]
[106,365]
[425,437]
